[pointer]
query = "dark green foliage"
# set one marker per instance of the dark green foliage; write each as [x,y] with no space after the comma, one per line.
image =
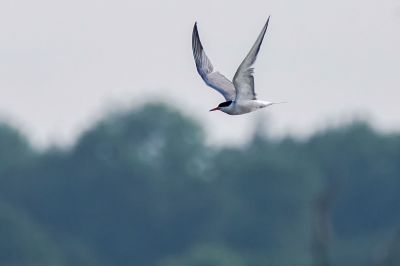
[142,188]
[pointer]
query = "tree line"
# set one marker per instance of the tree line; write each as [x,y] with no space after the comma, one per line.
[141,187]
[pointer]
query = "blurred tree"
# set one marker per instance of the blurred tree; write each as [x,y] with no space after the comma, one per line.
[142,188]
[15,154]
[208,255]
[265,190]
[23,243]
[14,149]
[132,187]
[391,253]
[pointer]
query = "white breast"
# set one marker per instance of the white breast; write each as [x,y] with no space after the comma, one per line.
[243,107]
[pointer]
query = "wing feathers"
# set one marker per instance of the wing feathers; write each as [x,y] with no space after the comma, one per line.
[212,78]
[203,64]
[244,79]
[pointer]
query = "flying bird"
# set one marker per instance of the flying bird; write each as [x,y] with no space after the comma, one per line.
[239,95]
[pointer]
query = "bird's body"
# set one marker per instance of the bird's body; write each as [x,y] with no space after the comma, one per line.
[239,94]
[244,107]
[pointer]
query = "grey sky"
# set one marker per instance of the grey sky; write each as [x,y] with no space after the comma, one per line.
[62,63]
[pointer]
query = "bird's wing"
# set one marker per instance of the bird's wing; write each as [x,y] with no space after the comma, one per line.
[212,78]
[244,79]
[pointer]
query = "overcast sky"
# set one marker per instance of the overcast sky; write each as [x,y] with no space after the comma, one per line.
[65,63]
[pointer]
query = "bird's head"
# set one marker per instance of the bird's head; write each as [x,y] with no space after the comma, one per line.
[222,106]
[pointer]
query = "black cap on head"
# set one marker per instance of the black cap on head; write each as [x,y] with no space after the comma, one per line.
[225,104]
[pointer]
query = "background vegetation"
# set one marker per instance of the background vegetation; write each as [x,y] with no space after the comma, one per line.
[143,188]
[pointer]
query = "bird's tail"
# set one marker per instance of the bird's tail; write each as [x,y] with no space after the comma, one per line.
[265,103]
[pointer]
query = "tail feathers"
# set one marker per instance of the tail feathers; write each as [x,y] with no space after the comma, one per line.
[265,103]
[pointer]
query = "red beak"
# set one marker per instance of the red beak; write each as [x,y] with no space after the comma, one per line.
[214,109]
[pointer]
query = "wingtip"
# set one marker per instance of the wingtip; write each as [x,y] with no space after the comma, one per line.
[195,30]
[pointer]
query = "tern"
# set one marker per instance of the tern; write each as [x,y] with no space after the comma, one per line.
[239,94]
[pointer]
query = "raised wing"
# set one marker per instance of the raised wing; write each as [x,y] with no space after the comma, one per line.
[244,79]
[212,78]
